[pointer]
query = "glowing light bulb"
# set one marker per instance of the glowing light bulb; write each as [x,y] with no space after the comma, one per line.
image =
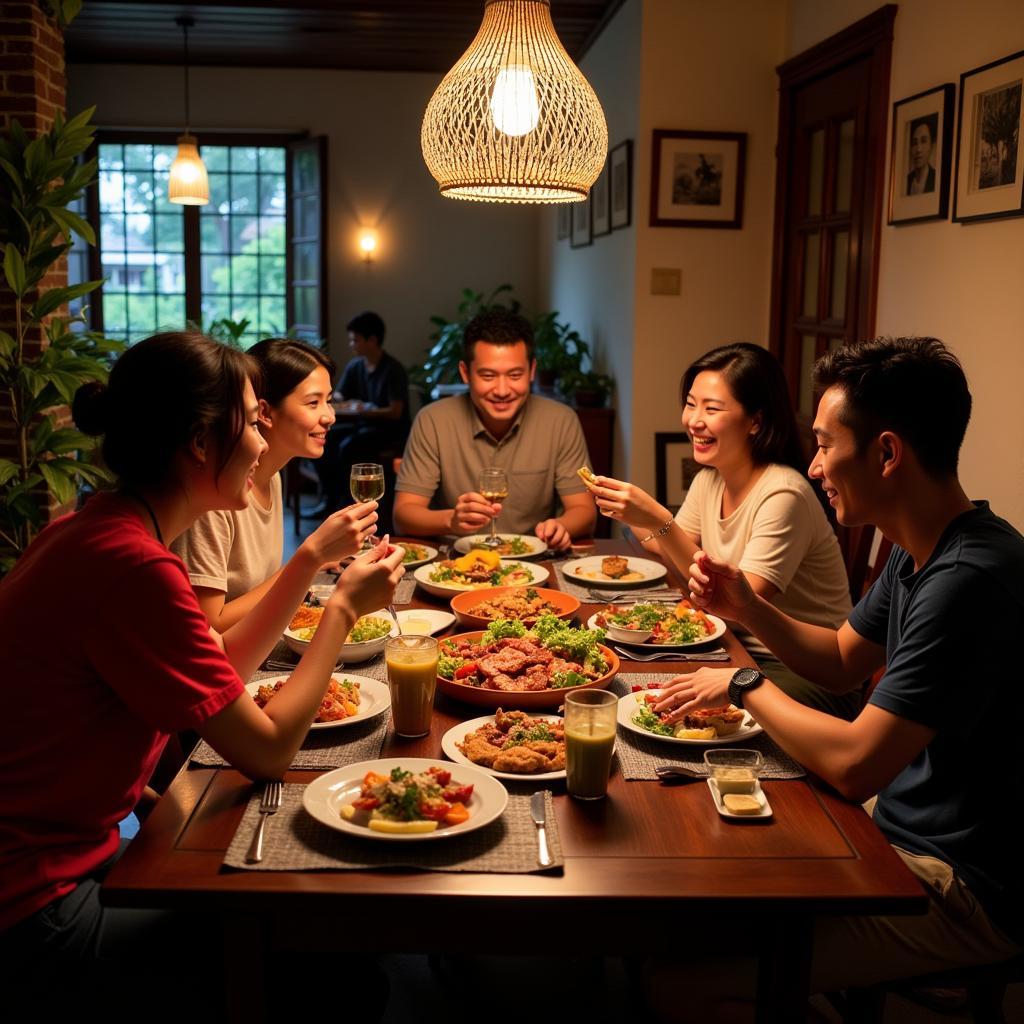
[368,245]
[187,183]
[514,105]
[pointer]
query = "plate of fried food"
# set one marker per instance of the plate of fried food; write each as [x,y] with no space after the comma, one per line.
[416,554]
[477,609]
[348,700]
[726,724]
[511,665]
[652,626]
[510,745]
[614,570]
[366,639]
[513,545]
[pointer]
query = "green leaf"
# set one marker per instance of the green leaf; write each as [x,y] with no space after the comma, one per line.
[66,440]
[8,470]
[61,485]
[14,270]
[8,346]
[81,119]
[57,297]
[14,174]
[23,488]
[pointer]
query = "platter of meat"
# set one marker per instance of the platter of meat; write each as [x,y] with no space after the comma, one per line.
[528,671]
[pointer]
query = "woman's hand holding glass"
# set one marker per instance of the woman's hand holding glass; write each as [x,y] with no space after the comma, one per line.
[341,535]
[705,688]
[628,503]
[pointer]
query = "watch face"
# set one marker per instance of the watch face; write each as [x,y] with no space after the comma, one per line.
[746,676]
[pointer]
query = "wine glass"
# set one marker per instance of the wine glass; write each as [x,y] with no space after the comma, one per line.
[366,482]
[494,488]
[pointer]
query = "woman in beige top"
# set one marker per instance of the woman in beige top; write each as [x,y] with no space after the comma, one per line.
[234,557]
[751,505]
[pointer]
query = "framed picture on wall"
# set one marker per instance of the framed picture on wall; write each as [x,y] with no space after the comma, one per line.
[989,156]
[697,179]
[919,166]
[581,232]
[620,171]
[564,214]
[674,468]
[601,211]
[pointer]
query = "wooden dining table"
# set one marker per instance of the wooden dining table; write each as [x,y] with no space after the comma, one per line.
[639,865]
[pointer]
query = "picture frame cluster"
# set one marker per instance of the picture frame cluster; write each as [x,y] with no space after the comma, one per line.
[609,205]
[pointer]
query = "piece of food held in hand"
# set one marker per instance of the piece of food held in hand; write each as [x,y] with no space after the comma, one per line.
[706,724]
[408,802]
[341,700]
[508,656]
[586,475]
[518,744]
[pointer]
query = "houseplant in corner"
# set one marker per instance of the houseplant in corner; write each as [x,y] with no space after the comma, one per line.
[39,179]
[558,348]
[586,388]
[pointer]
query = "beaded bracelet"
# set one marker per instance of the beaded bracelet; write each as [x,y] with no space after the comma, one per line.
[659,533]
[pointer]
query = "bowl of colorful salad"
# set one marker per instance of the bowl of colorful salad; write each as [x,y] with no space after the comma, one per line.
[476,570]
[660,625]
[367,638]
[510,665]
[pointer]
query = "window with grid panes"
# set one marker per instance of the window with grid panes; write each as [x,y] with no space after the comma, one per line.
[166,264]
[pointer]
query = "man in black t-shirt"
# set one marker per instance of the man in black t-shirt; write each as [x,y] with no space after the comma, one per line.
[372,408]
[889,426]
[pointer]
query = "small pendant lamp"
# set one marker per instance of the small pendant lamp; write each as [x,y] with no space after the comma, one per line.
[187,183]
[515,121]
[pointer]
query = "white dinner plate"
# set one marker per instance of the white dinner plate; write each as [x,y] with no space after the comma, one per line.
[455,735]
[587,571]
[325,796]
[537,574]
[627,708]
[715,621]
[439,620]
[537,547]
[374,698]
[430,556]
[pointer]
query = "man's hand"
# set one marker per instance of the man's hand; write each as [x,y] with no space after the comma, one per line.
[554,534]
[705,688]
[719,587]
[472,513]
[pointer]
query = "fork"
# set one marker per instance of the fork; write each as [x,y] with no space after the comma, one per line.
[270,803]
[670,655]
[641,595]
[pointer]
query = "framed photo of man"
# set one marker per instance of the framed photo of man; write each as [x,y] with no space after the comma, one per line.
[697,179]
[989,156]
[919,166]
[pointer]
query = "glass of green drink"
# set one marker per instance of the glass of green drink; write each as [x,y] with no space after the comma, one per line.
[589,742]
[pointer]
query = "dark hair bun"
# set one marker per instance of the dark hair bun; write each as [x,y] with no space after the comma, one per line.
[91,408]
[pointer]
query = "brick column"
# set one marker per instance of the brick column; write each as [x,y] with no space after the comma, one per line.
[32,85]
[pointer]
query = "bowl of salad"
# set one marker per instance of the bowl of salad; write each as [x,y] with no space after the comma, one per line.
[661,625]
[366,640]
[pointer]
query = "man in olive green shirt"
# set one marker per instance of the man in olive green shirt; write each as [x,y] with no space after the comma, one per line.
[499,424]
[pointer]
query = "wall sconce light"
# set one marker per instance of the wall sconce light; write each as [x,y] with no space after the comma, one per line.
[368,245]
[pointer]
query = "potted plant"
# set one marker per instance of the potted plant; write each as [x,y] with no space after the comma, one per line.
[39,180]
[586,388]
[441,367]
[558,348]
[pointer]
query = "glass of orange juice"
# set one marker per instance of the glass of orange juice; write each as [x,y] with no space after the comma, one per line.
[589,742]
[412,676]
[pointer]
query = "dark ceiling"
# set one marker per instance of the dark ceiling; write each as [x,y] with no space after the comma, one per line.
[378,35]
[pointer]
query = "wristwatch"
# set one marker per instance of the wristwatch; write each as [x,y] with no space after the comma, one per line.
[743,679]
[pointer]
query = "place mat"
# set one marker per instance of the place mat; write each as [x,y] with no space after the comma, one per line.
[295,841]
[639,756]
[582,591]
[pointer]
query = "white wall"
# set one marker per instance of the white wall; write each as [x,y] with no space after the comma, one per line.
[430,247]
[963,283]
[593,287]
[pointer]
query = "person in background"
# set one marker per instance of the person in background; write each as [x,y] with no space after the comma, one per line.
[889,426]
[135,661]
[233,556]
[921,176]
[538,442]
[373,411]
[751,504]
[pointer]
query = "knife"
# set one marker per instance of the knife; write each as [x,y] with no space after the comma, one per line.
[539,814]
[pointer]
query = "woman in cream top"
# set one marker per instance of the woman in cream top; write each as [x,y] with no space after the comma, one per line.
[751,504]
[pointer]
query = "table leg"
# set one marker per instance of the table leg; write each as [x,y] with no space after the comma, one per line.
[784,970]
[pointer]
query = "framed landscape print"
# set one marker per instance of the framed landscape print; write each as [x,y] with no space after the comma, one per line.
[581,230]
[620,171]
[919,166]
[599,204]
[697,179]
[989,157]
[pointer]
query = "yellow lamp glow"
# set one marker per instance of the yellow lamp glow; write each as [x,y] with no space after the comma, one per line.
[187,183]
[514,104]
[368,245]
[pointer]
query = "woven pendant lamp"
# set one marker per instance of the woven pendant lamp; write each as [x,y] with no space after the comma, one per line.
[187,184]
[515,121]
